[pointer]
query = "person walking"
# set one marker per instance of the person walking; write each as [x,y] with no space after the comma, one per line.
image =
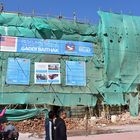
[49,127]
[60,131]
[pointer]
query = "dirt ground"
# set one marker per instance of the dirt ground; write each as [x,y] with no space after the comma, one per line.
[119,125]
[125,132]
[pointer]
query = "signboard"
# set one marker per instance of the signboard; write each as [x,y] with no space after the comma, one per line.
[78,48]
[35,45]
[47,73]
[18,71]
[75,73]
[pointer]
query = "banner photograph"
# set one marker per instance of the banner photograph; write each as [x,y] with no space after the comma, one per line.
[47,73]
[47,46]
[18,71]
[75,73]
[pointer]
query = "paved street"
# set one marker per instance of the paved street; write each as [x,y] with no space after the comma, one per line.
[113,136]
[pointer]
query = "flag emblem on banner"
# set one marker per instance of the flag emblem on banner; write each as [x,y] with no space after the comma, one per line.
[8,44]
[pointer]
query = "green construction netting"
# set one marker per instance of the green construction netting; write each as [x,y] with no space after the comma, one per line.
[59,99]
[114,99]
[21,114]
[112,95]
[134,104]
[61,94]
[48,28]
[113,70]
[120,35]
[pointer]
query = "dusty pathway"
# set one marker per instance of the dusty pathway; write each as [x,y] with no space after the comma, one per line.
[125,132]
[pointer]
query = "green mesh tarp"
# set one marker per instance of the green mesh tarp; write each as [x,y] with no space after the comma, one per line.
[18,25]
[48,28]
[12,24]
[21,114]
[134,104]
[51,94]
[120,41]
[59,99]
[114,99]
[120,37]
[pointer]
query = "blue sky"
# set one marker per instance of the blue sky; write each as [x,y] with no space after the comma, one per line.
[86,10]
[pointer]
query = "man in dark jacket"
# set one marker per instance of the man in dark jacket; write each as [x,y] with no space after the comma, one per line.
[49,127]
[60,127]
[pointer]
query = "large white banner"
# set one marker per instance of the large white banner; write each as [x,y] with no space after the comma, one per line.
[47,73]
